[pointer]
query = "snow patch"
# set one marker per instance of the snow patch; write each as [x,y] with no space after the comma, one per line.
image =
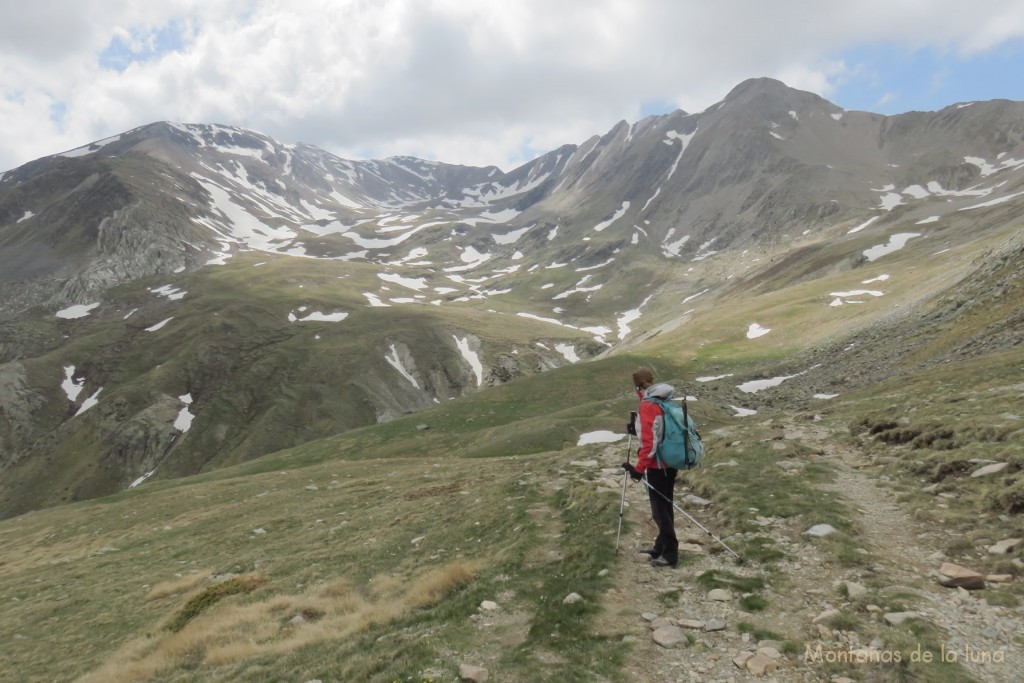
[895,243]
[396,363]
[602,436]
[755,331]
[410,283]
[69,385]
[713,379]
[317,316]
[89,402]
[864,225]
[76,311]
[568,351]
[184,420]
[159,325]
[757,385]
[471,357]
[616,216]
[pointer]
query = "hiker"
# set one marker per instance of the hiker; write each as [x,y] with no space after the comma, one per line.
[660,478]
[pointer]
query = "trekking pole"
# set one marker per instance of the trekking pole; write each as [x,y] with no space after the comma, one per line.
[739,559]
[630,429]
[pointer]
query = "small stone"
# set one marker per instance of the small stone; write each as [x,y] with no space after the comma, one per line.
[740,660]
[691,623]
[312,487]
[824,632]
[297,619]
[488,606]
[999,578]
[603,572]
[422,427]
[727,463]
[769,652]
[897,618]
[714,625]
[417,540]
[825,616]
[988,470]
[670,636]
[259,532]
[719,595]
[821,530]
[661,622]
[855,590]
[572,598]
[649,616]
[476,674]
[1005,547]
[696,500]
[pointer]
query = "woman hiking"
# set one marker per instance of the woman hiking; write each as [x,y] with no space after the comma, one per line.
[661,479]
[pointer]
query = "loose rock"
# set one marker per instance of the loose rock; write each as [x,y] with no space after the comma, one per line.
[670,636]
[821,530]
[469,672]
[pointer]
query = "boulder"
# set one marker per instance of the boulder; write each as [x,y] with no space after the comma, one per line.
[897,618]
[855,590]
[961,577]
[572,598]
[821,530]
[1005,546]
[714,625]
[719,595]
[469,672]
[761,664]
[990,469]
[670,636]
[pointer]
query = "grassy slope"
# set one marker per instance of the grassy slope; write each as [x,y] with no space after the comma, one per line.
[488,489]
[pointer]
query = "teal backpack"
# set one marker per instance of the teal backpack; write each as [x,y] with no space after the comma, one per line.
[681,447]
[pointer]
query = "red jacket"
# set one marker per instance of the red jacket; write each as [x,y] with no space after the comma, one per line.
[651,427]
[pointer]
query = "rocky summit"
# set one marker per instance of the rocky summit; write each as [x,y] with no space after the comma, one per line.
[266,413]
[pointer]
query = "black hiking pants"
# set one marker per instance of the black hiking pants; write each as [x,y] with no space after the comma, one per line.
[660,485]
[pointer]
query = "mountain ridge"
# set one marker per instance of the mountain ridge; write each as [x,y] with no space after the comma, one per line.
[173,251]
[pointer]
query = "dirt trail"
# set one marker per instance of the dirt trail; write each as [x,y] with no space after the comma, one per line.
[981,636]
[908,555]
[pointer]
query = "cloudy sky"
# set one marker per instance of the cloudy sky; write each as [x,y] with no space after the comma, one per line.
[473,81]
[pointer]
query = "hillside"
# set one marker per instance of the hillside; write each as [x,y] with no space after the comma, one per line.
[269,414]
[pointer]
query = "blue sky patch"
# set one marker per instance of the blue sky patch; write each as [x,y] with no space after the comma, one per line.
[886,79]
[145,44]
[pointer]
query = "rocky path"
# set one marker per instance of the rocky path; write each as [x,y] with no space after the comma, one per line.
[980,636]
[682,632]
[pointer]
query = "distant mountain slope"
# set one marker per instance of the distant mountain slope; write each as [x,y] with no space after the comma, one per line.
[185,296]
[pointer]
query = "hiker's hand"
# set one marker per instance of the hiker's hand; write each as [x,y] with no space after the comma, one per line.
[633,474]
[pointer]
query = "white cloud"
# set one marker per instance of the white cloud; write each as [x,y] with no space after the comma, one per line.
[478,82]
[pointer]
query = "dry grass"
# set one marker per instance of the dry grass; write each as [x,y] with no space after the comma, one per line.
[232,632]
[180,585]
